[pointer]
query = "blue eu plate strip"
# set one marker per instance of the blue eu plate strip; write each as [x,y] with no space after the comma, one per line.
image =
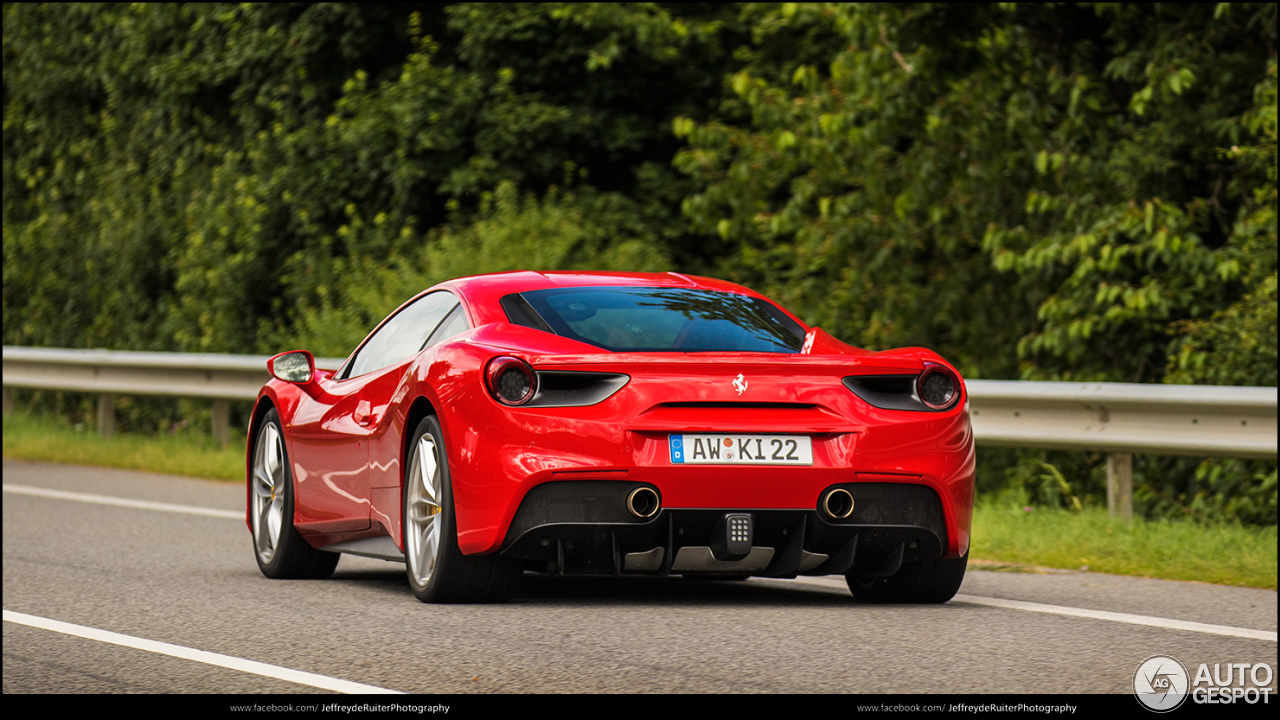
[676,444]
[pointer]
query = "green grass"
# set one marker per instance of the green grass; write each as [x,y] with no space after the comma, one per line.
[185,453]
[1003,531]
[1222,554]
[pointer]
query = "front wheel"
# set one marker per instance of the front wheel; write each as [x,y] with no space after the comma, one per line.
[923,581]
[438,571]
[280,550]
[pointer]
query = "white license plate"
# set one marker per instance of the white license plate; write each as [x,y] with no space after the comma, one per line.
[721,449]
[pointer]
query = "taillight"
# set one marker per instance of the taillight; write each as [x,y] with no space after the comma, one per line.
[937,387]
[511,381]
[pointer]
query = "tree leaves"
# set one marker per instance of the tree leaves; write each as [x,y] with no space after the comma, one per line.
[957,171]
[1036,191]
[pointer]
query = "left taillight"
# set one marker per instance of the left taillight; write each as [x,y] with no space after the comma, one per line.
[938,387]
[511,381]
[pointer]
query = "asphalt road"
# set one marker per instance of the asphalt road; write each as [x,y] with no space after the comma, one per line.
[189,580]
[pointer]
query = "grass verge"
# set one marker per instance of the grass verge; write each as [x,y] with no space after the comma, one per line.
[1003,532]
[187,453]
[1223,554]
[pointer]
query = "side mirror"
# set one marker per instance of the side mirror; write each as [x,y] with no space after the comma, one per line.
[295,366]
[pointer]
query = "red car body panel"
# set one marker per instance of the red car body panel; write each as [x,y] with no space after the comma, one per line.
[347,447]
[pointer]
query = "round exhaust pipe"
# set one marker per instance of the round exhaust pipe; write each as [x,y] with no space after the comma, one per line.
[643,502]
[838,503]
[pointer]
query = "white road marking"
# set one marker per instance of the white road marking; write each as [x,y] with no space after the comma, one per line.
[1147,620]
[121,502]
[1120,617]
[324,682]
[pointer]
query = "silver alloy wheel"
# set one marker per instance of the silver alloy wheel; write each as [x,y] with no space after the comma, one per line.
[268,492]
[422,511]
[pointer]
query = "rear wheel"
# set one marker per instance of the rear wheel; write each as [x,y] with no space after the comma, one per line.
[438,571]
[280,550]
[924,581]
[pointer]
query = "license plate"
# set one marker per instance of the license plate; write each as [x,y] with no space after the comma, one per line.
[721,449]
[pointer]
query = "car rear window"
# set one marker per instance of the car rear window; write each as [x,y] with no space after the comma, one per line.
[636,319]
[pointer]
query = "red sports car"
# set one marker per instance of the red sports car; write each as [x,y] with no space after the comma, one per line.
[615,424]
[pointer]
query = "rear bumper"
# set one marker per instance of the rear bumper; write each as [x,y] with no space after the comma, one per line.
[584,527]
[500,456]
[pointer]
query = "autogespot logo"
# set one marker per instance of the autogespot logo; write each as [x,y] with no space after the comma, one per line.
[1161,683]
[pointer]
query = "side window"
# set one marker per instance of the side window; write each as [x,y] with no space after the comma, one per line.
[403,334]
[455,323]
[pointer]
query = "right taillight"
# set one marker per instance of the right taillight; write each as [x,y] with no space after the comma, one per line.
[511,381]
[937,387]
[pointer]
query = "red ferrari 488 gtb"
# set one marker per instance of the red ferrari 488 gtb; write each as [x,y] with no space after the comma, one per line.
[616,424]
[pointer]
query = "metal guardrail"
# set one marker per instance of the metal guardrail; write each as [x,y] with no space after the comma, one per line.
[1194,420]
[1116,418]
[1125,418]
[116,372]
[203,375]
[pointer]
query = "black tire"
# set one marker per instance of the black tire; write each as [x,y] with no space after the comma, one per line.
[925,581]
[279,549]
[444,575]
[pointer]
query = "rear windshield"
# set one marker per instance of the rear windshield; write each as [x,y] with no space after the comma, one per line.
[639,319]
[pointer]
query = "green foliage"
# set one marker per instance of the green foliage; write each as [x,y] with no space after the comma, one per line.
[1039,192]
[1053,488]
[1205,490]
[125,128]
[1069,192]
[1237,344]
[1174,488]
[510,232]
[1040,178]
[1005,531]
[187,177]
[179,451]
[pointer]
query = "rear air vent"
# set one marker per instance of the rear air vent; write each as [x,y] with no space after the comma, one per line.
[887,384]
[570,389]
[891,392]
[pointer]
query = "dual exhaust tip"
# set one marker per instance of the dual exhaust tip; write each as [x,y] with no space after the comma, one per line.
[643,502]
[837,503]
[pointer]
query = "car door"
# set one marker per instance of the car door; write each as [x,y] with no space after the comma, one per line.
[331,433]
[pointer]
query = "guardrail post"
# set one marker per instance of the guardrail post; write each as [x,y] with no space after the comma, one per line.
[106,415]
[1120,486]
[221,422]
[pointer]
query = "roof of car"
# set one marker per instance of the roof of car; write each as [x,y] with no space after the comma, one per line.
[482,292]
